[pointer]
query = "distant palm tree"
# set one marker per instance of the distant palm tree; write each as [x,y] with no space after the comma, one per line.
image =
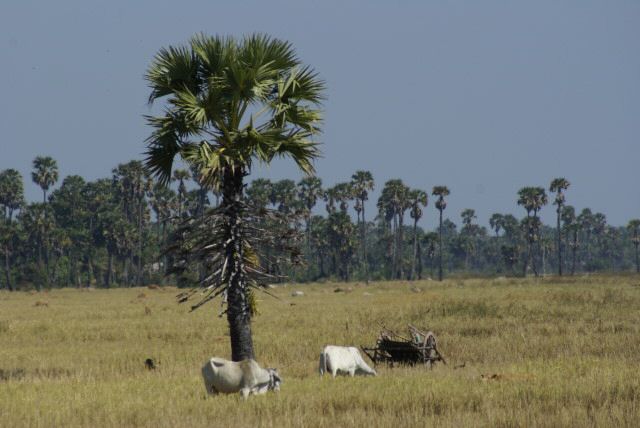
[230,103]
[496,222]
[45,174]
[417,200]
[181,175]
[558,185]
[330,196]
[362,184]
[11,199]
[259,192]
[309,191]
[572,227]
[394,201]
[634,229]
[441,204]
[469,234]
[532,199]
[585,220]
[430,241]
[284,196]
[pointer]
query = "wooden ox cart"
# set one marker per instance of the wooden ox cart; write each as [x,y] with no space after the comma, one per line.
[391,348]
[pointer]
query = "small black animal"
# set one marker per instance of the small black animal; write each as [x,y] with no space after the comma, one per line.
[150,364]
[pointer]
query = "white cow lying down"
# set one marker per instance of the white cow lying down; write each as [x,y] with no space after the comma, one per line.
[246,377]
[344,359]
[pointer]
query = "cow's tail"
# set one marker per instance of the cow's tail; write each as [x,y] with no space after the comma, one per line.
[323,363]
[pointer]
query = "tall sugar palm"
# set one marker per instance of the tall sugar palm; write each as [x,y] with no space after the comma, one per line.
[586,221]
[11,199]
[496,222]
[259,193]
[418,199]
[634,229]
[558,185]
[309,191]
[284,195]
[468,234]
[45,174]
[362,184]
[441,204]
[343,193]
[532,199]
[229,103]
[181,175]
[571,227]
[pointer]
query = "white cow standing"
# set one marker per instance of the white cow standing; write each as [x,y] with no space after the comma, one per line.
[344,359]
[246,377]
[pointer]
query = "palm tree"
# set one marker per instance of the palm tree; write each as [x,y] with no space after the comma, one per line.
[572,227]
[259,193]
[284,195]
[634,229]
[229,103]
[309,191]
[181,175]
[532,199]
[330,196]
[496,221]
[362,184]
[417,200]
[430,241]
[585,220]
[441,204]
[558,185]
[11,199]
[45,174]
[468,234]
[342,193]
[133,183]
[394,196]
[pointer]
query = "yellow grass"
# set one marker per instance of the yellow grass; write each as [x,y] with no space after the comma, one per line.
[567,354]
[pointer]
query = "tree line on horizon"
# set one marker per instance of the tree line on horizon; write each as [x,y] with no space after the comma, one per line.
[112,232]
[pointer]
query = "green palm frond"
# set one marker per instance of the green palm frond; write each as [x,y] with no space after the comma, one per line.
[172,69]
[212,84]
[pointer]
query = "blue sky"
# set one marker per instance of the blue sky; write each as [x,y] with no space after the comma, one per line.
[485,97]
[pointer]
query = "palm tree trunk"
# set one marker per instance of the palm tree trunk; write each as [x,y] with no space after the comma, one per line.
[559,238]
[419,260]
[588,251]
[533,258]
[46,247]
[637,260]
[364,247]
[574,250]
[400,245]
[440,245]
[238,314]
[394,232]
[165,257]
[415,248]
[202,194]
[140,213]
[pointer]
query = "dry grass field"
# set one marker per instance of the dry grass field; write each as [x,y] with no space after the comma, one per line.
[566,352]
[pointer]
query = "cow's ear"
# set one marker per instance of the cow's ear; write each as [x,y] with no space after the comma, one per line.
[217,363]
